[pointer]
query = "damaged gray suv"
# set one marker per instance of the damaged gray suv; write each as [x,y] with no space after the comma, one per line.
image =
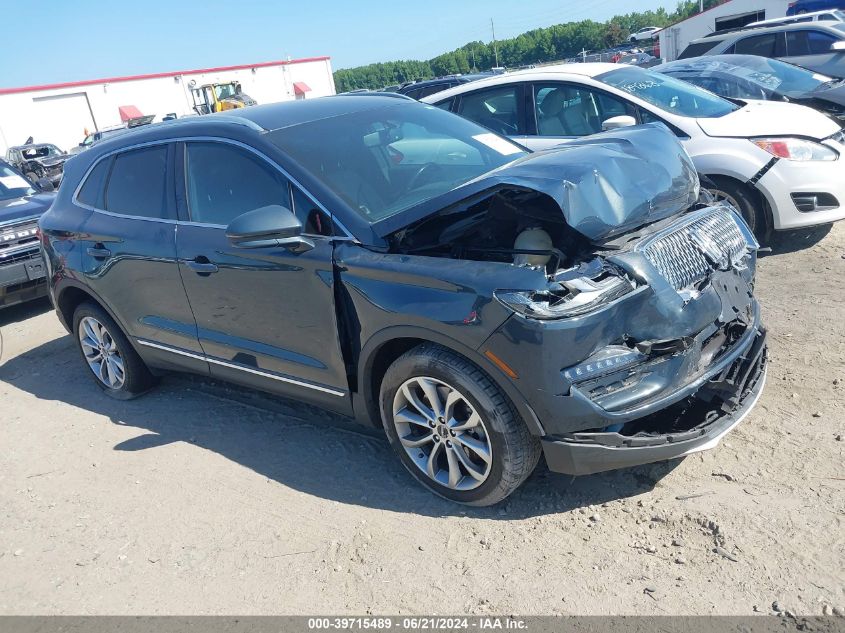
[397,263]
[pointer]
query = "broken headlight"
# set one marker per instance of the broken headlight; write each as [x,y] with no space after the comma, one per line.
[569,297]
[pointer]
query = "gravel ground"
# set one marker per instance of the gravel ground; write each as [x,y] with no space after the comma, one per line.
[203,499]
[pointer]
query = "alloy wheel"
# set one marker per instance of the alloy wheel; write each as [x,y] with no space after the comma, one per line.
[101,353]
[721,196]
[442,433]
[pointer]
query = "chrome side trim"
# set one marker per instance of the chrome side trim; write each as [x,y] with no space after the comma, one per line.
[167,348]
[250,370]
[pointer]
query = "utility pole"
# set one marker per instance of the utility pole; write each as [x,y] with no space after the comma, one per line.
[701,6]
[495,47]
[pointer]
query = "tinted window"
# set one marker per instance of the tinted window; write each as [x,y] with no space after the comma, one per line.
[763,45]
[137,183]
[697,49]
[446,105]
[225,181]
[92,191]
[430,90]
[564,110]
[808,43]
[495,108]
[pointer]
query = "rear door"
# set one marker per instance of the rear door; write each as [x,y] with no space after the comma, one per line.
[129,253]
[265,316]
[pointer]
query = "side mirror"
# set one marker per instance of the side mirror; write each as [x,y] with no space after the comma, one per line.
[44,184]
[614,123]
[838,46]
[270,226]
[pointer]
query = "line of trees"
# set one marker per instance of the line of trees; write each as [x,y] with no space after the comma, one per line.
[557,42]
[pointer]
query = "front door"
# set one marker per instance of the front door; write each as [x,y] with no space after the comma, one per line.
[567,111]
[265,316]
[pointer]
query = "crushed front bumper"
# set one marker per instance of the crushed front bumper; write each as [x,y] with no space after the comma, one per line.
[732,394]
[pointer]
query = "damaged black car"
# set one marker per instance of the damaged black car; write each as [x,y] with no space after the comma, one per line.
[40,162]
[393,262]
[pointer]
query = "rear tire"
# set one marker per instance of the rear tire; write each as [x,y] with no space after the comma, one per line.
[469,445]
[111,361]
[742,199]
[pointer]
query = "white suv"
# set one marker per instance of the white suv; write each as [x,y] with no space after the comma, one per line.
[780,164]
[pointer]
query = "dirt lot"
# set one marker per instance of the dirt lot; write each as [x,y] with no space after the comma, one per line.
[202,499]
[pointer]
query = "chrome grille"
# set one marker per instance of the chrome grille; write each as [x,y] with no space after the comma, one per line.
[16,235]
[686,255]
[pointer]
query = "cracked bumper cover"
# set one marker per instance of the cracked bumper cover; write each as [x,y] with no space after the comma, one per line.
[583,453]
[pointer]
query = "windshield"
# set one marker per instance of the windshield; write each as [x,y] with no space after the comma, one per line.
[667,93]
[384,160]
[780,77]
[41,151]
[12,184]
[224,91]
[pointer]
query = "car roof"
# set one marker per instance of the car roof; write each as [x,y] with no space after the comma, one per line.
[780,28]
[558,71]
[258,119]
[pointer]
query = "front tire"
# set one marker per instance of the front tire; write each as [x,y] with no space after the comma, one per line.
[741,198]
[111,360]
[453,429]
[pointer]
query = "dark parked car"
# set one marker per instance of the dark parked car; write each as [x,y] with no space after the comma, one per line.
[22,273]
[38,161]
[800,7]
[753,77]
[816,46]
[420,89]
[423,274]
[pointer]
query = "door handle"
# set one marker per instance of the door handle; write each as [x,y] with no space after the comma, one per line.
[99,252]
[201,265]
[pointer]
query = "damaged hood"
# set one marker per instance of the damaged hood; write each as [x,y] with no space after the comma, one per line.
[770,118]
[605,184]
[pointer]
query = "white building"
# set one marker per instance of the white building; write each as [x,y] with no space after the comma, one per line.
[731,14]
[62,113]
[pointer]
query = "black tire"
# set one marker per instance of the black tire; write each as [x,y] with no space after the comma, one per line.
[31,176]
[514,452]
[137,378]
[745,201]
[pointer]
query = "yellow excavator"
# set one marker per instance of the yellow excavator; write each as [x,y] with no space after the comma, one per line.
[220,97]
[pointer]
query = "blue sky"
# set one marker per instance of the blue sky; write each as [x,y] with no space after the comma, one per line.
[69,40]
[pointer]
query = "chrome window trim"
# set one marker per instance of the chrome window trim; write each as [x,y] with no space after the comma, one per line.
[223,363]
[187,139]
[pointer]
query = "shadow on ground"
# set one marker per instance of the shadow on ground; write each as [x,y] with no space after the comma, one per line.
[24,311]
[300,447]
[785,242]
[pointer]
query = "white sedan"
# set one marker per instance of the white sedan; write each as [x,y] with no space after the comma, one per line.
[780,164]
[645,33]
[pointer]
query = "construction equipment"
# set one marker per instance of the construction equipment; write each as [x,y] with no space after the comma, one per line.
[220,97]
